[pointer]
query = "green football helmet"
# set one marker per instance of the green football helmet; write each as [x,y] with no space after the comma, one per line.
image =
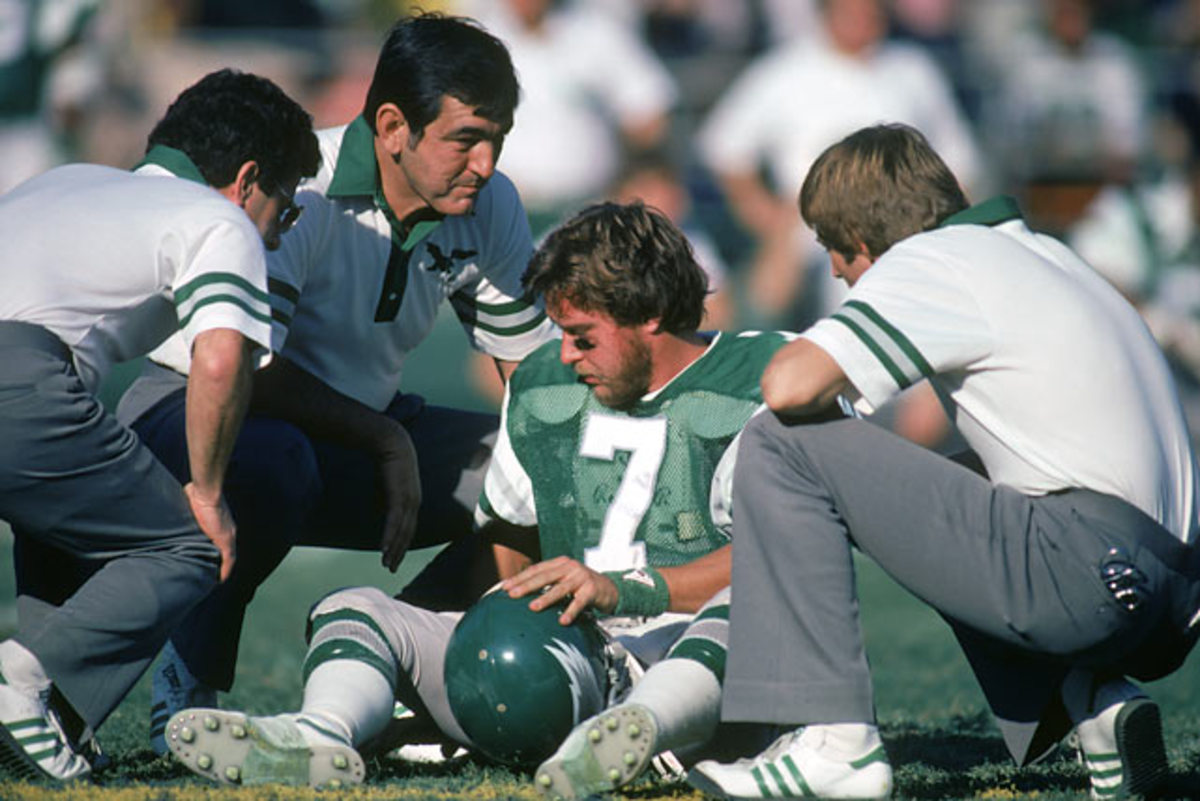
[518,681]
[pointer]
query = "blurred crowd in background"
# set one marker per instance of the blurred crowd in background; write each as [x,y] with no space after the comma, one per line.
[1088,111]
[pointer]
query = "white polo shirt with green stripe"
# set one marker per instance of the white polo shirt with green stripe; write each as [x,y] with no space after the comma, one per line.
[354,290]
[113,262]
[1050,376]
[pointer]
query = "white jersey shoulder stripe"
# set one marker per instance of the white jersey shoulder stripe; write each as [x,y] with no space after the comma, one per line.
[187,290]
[895,352]
[221,288]
[503,319]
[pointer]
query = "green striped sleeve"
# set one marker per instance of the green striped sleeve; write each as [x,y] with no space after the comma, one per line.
[508,319]
[895,352]
[185,292]
[235,300]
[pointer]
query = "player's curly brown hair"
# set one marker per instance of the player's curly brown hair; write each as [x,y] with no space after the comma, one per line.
[626,260]
[878,186]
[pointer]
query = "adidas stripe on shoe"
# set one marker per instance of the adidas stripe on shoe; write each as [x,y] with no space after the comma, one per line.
[1123,751]
[798,765]
[32,743]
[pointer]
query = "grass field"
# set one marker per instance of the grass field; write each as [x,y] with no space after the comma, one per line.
[937,733]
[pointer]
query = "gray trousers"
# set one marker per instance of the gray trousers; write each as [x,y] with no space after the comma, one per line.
[79,484]
[1017,577]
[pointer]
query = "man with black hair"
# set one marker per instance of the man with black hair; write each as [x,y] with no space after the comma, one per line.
[177,246]
[407,212]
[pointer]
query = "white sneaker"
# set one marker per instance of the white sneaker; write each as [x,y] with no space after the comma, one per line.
[173,689]
[1122,743]
[231,748]
[601,754]
[33,744]
[799,764]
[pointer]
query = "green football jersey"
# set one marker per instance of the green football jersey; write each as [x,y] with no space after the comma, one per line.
[619,489]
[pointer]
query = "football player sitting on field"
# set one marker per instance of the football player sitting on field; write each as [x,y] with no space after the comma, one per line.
[610,485]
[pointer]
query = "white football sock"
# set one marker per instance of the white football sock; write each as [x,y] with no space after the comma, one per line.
[21,668]
[685,699]
[347,699]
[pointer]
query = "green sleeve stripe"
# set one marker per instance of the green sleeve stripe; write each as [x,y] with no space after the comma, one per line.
[506,331]
[187,290]
[897,375]
[897,336]
[509,307]
[283,289]
[281,317]
[236,300]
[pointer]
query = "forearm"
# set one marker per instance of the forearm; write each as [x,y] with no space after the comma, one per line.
[288,392]
[693,584]
[802,379]
[217,395]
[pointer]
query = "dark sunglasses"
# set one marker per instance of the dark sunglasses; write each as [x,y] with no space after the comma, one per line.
[288,217]
[290,213]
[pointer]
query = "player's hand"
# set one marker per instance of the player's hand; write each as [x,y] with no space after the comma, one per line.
[563,578]
[401,484]
[213,516]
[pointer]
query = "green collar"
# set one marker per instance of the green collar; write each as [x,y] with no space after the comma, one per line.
[175,161]
[993,211]
[357,175]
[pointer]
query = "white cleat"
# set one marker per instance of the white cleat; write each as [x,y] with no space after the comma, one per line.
[231,748]
[600,755]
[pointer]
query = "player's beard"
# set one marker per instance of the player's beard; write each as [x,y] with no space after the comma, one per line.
[632,381]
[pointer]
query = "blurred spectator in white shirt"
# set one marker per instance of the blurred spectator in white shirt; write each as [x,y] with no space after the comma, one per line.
[792,103]
[591,90]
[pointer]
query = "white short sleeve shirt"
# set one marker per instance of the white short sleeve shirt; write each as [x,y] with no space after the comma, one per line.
[794,102]
[353,291]
[114,262]
[1050,376]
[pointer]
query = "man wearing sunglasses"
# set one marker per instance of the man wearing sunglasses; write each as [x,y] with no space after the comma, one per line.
[408,212]
[110,550]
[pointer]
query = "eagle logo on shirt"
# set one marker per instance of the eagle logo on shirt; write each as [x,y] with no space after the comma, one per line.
[443,264]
